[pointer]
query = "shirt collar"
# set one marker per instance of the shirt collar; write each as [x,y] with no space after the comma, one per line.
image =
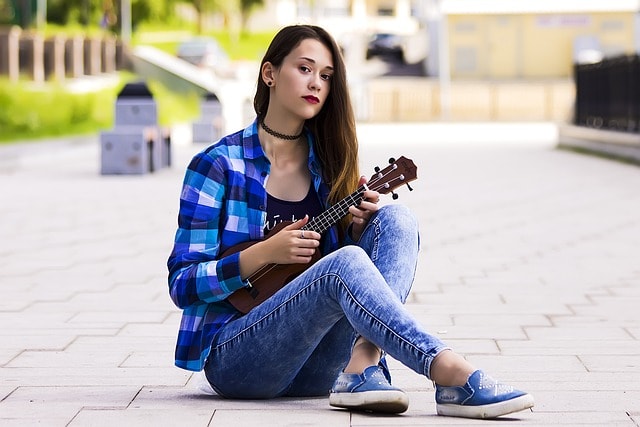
[253,149]
[251,142]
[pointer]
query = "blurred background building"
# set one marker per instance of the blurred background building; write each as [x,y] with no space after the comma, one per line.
[408,60]
[482,39]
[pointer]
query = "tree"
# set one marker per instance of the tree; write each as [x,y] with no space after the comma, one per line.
[246,7]
[203,8]
[235,13]
[106,12]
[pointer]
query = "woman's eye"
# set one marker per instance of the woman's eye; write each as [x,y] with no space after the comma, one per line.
[304,68]
[326,76]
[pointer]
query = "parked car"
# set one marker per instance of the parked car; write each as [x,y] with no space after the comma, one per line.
[385,45]
[205,52]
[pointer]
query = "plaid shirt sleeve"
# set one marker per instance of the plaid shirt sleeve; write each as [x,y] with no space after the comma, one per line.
[195,274]
[223,202]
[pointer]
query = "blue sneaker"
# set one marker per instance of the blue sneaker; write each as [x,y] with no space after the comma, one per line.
[480,397]
[369,391]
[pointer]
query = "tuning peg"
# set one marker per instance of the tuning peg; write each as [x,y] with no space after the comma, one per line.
[409,187]
[394,195]
[392,160]
[377,169]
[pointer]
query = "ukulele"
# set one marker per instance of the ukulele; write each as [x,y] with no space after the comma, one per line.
[267,280]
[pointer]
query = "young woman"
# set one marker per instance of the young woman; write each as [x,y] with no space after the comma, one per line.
[328,329]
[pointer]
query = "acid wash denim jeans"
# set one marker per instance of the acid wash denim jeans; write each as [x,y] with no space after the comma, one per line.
[298,341]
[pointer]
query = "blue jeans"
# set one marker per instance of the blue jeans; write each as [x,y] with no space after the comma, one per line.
[298,341]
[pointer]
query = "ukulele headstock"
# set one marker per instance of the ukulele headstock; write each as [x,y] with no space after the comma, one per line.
[399,172]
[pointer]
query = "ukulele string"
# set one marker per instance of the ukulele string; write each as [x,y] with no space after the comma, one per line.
[257,275]
[373,185]
[386,184]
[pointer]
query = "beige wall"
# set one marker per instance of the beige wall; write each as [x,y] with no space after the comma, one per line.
[409,99]
[530,45]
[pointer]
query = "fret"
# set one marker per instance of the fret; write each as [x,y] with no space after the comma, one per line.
[328,218]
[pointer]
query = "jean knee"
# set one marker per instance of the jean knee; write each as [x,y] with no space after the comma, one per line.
[354,256]
[400,219]
[398,215]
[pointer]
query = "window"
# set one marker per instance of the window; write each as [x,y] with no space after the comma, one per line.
[465,60]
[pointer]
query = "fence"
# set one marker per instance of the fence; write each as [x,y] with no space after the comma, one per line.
[608,94]
[28,55]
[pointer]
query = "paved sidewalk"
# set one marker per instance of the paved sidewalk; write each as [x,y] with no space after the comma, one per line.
[530,268]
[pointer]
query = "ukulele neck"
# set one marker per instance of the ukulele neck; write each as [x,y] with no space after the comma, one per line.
[335,213]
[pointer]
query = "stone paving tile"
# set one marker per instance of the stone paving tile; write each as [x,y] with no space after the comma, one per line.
[576,332]
[612,418]
[634,332]
[57,405]
[278,418]
[156,417]
[573,380]
[83,376]
[528,268]
[570,346]
[155,344]
[473,346]
[543,363]
[95,358]
[490,320]
[612,363]
[577,401]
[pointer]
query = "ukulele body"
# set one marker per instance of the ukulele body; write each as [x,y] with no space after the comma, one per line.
[273,278]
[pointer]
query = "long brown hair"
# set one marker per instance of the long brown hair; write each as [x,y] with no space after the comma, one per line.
[333,128]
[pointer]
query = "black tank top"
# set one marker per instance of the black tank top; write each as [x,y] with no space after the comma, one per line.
[283,210]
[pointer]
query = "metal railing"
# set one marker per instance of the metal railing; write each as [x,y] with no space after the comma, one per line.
[608,94]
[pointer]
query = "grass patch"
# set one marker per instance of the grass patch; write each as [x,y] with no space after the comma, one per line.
[38,111]
[29,111]
[174,107]
[245,47]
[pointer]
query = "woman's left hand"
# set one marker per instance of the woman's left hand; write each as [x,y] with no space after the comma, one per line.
[361,213]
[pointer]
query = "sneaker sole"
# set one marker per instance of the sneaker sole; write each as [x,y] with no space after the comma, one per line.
[486,411]
[387,401]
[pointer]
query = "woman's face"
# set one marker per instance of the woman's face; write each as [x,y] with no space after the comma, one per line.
[303,81]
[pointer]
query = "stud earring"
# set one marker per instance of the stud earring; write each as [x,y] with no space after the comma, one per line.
[269,83]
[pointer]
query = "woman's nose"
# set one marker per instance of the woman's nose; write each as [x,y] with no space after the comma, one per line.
[315,81]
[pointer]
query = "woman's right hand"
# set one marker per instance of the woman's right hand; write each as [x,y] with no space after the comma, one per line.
[290,245]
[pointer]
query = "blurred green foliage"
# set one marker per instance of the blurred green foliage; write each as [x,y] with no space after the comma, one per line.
[31,111]
[248,46]
[35,111]
[105,14]
[174,107]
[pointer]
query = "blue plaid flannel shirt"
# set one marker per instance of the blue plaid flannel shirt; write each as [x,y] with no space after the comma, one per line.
[223,203]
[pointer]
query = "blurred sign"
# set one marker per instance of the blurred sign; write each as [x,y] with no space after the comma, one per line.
[554,21]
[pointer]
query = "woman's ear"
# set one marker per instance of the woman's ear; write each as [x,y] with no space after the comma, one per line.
[267,74]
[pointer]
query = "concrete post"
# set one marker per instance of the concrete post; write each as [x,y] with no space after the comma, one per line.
[9,53]
[74,57]
[123,56]
[92,56]
[54,64]
[32,56]
[108,54]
